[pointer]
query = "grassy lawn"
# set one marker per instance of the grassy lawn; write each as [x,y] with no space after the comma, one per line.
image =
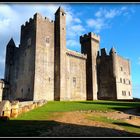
[31,123]
[64,106]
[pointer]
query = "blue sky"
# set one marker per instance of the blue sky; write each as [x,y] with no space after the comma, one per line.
[117,24]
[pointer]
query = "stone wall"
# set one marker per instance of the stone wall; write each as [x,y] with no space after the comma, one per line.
[44,59]
[26,66]
[106,81]
[114,76]
[13,109]
[75,76]
[123,79]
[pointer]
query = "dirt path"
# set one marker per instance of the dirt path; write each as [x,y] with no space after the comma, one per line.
[77,124]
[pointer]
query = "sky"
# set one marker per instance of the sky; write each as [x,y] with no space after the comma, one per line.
[118,25]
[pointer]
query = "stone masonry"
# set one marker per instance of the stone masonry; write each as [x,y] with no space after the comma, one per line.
[41,67]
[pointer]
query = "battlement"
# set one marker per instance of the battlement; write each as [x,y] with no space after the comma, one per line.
[36,17]
[90,35]
[39,16]
[27,23]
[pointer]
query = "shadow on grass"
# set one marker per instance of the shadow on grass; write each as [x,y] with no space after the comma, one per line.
[22,128]
[114,103]
[127,125]
[132,108]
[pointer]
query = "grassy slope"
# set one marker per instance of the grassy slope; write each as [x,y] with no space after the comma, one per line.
[31,123]
[56,106]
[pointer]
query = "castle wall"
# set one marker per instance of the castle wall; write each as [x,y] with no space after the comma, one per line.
[26,65]
[75,76]
[123,79]
[44,60]
[42,68]
[106,81]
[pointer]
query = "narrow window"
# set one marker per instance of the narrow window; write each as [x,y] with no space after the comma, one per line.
[129,93]
[74,81]
[22,90]
[121,68]
[29,42]
[124,93]
[49,79]
[47,40]
[121,80]
[28,90]
[124,81]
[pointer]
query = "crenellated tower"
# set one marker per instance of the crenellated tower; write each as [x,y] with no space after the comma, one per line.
[90,46]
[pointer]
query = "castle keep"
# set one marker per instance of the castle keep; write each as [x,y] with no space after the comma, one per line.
[43,68]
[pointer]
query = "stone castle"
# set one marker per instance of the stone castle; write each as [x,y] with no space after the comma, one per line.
[43,68]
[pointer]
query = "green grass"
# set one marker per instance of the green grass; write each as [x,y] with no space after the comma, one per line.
[56,106]
[32,122]
[103,119]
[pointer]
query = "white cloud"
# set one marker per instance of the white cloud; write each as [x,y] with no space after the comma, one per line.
[77,28]
[4,23]
[112,13]
[96,23]
[77,20]
[104,16]
[98,14]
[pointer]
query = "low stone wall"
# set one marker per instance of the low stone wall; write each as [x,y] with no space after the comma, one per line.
[14,108]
